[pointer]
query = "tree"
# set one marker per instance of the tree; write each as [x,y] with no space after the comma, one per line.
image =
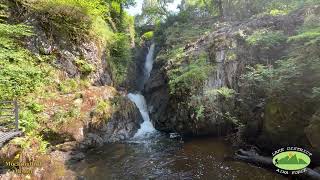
[154,11]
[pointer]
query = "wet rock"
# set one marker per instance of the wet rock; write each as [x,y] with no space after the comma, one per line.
[66,147]
[313,131]
[78,156]
[123,124]
[92,140]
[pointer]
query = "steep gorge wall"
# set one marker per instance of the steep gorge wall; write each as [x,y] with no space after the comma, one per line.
[259,118]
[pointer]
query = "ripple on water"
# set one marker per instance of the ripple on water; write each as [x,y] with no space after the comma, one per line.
[164,158]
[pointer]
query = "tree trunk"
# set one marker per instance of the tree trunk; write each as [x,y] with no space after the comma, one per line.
[220,8]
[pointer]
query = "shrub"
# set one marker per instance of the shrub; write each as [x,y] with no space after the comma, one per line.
[28,121]
[85,67]
[306,35]
[104,109]
[266,39]
[75,19]
[277,12]
[32,142]
[200,112]
[147,36]
[120,57]
[35,107]
[190,78]
[226,92]
[68,86]
[19,73]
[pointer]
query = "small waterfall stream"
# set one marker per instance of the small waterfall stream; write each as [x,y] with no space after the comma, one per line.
[139,100]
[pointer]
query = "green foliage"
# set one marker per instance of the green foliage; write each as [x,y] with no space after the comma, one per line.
[74,19]
[32,141]
[226,92]
[266,39]
[19,73]
[231,56]
[234,120]
[307,35]
[28,121]
[68,86]
[103,106]
[62,116]
[147,36]
[120,57]
[277,12]
[85,67]
[295,75]
[153,11]
[104,109]
[203,8]
[200,112]
[190,78]
[4,12]
[35,107]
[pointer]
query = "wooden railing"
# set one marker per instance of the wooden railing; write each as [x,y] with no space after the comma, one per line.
[9,110]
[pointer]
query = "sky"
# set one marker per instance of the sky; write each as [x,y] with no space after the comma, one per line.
[137,8]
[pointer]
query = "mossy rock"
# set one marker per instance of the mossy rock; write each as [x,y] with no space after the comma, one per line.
[313,131]
[284,124]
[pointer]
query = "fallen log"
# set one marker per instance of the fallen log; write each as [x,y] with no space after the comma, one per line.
[266,162]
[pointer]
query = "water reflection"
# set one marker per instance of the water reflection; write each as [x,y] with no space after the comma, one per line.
[163,158]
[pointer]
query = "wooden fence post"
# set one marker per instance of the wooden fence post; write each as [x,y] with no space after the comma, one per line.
[16,114]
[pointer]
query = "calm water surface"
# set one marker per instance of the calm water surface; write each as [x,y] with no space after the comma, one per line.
[163,158]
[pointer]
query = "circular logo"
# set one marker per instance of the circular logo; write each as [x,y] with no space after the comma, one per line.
[291,160]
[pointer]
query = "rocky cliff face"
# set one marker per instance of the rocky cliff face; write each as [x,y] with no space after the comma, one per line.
[260,118]
[82,67]
[69,57]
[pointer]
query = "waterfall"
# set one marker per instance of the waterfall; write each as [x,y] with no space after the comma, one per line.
[146,127]
[139,100]
[149,62]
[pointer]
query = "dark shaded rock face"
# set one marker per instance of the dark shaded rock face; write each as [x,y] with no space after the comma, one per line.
[122,125]
[170,113]
[264,120]
[136,74]
[157,96]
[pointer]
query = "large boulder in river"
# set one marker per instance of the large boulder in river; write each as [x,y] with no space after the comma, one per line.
[122,124]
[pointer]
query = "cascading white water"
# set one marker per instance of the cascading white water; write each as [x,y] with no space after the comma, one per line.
[139,100]
[146,126]
[149,62]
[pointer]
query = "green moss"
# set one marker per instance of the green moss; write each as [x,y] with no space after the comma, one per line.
[147,36]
